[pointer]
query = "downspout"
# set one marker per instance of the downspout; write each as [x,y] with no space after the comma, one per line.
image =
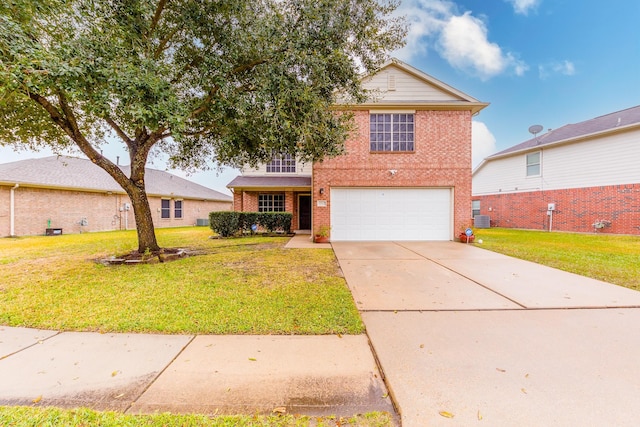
[13,213]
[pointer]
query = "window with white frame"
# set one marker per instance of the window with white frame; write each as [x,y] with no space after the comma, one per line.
[177,209]
[282,163]
[271,203]
[475,208]
[533,164]
[165,209]
[391,132]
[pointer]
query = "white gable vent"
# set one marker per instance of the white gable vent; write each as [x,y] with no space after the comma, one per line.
[391,82]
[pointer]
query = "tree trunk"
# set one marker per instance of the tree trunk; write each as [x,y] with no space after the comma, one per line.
[144,219]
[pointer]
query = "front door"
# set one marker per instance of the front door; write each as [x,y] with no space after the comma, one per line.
[304,212]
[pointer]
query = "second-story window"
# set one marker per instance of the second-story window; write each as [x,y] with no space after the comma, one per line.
[391,132]
[533,164]
[282,163]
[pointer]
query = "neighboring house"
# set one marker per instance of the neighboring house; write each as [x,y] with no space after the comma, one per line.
[75,195]
[567,179]
[405,173]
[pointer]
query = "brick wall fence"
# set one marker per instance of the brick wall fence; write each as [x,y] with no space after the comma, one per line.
[36,209]
[442,158]
[576,209]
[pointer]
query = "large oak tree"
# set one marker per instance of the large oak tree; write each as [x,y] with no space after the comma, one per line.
[227,81]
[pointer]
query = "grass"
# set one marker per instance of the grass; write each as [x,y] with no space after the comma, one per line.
[21,416]
[611,258]
[237,286]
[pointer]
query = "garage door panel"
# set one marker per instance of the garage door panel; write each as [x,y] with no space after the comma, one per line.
[391,214]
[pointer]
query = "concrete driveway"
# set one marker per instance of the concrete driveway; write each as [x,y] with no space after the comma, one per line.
[465,336]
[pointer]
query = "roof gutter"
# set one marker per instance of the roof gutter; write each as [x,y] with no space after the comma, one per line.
[13,203]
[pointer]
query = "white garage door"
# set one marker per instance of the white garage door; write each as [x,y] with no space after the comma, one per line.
[391,214]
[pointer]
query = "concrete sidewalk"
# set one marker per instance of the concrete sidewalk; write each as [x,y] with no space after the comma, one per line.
[312,375]
[492,340]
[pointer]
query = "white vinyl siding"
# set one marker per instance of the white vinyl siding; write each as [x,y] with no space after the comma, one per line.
[407,87]
[301,169]
[611,160]
[391,214]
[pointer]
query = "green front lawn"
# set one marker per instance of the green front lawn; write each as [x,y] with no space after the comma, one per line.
[611,258]
[236,286]
[54,417]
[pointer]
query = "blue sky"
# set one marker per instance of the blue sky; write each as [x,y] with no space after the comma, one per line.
[547,62]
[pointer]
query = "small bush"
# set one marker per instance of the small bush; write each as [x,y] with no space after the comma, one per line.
[273,221]
[225,223]
[247,219]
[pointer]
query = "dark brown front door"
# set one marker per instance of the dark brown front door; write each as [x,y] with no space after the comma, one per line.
[304,212]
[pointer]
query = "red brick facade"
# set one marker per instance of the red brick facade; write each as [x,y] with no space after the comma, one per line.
[576,209]
[442,158]
[36,209]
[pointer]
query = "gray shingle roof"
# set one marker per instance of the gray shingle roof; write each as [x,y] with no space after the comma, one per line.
[608,122]
[81,174]
[270,181]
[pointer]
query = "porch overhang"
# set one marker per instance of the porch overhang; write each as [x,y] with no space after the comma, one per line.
[270,183]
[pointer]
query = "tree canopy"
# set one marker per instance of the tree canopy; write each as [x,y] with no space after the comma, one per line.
[202,80]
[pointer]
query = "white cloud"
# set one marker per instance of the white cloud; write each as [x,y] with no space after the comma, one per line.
[461,39]
[426,19]
[523,7]
[483,142]
[565,68]
[465,45]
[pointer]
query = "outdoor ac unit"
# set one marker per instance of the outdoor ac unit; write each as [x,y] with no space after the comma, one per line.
[202,222]
[482,221]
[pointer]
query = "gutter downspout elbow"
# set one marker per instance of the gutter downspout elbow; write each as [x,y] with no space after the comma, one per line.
[13,214]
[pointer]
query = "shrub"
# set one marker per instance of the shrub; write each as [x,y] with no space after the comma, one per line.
[273,221]
[225,223]
[228,223]
[247,219]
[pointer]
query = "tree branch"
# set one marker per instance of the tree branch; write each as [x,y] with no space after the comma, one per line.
[156,16]
[164,41]
[118,131]
[68,124]
[248,66]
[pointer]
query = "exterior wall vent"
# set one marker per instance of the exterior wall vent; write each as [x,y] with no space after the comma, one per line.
[391,82]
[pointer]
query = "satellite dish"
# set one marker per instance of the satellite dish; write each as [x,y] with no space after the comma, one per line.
[535,129]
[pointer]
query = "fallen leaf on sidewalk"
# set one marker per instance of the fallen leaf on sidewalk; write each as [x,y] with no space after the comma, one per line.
[500,370]
[114,373]
[523,390]
[280,410]
[479,416]
[253,359]
[446,414]
[37,399]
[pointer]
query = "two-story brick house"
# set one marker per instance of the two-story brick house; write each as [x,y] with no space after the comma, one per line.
[405,173]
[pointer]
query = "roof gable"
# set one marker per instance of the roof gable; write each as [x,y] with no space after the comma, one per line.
[397,84]
[80,174]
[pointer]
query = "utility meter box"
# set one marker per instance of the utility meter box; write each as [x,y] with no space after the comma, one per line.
[551,207]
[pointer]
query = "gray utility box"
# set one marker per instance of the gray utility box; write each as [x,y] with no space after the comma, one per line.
[482,221]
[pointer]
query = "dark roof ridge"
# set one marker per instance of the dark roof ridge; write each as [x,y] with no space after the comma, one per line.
[604,123]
